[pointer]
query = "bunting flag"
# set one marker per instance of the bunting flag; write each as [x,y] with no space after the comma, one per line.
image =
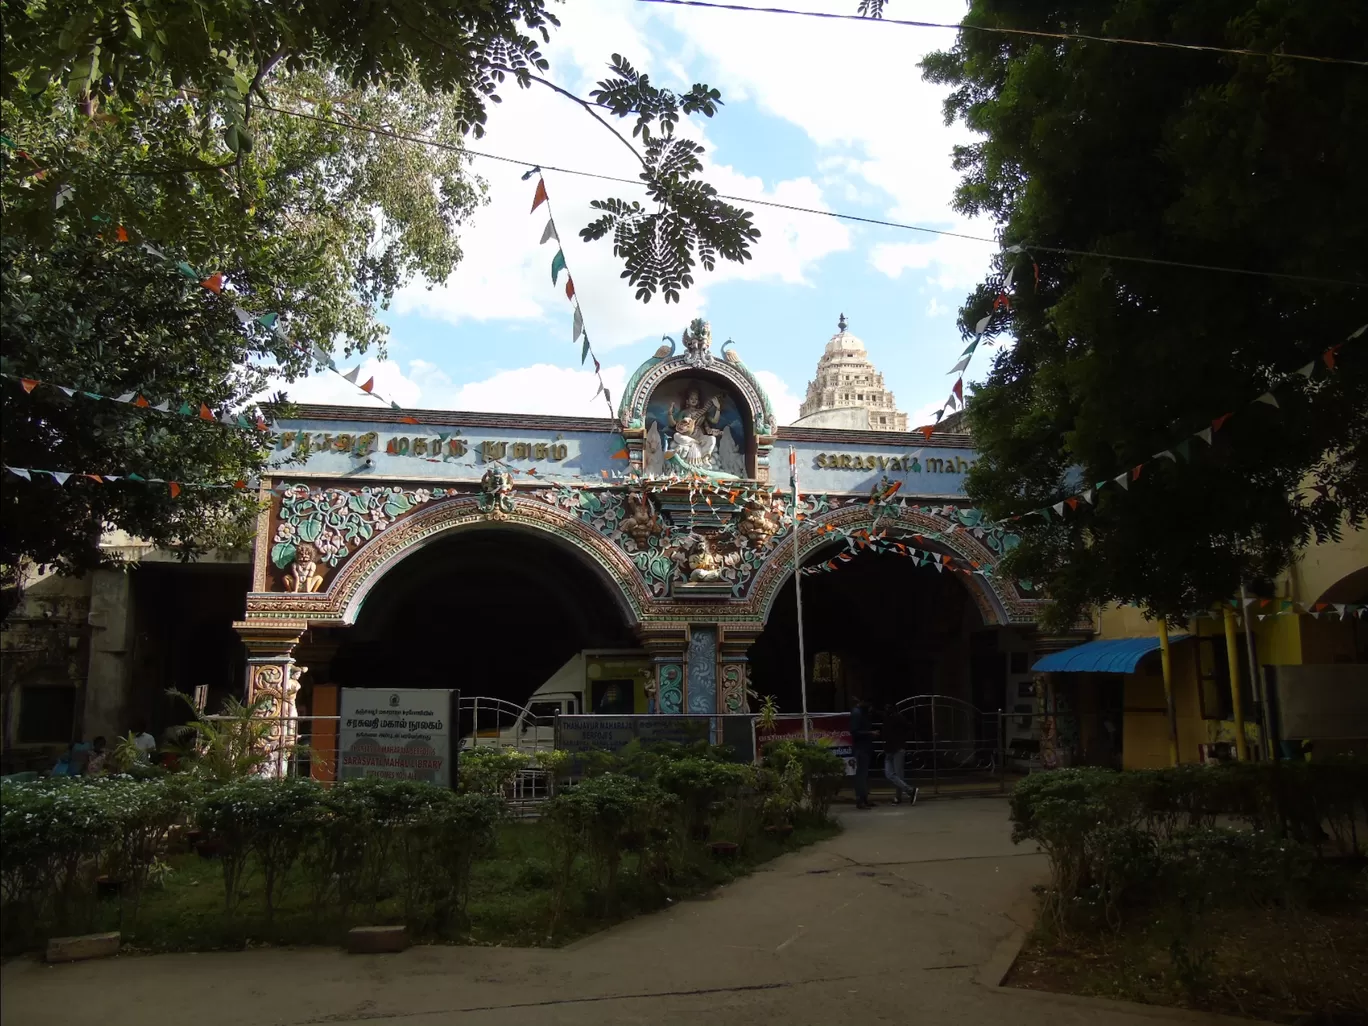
[1182,451]
[863,540]
[216,283]
[257,421]
[558,265]
[1003,302]
[61,477]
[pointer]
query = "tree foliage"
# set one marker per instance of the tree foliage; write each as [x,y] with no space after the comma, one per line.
[312,155]
[1163,155]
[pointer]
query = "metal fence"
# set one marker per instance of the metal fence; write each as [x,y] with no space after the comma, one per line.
[954,748]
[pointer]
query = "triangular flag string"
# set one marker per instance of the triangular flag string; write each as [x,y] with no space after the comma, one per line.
[558,264]
[216,283]
[138,401]
[1181,451]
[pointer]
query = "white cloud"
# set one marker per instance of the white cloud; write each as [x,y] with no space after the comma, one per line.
[540,388]
[784,403]
[855,89]
[952,264]
[934,308]
[506,275]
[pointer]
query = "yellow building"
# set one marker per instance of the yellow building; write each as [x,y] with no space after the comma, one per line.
[1310,644]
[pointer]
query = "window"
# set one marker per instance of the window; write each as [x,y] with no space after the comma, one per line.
[1213,677]
[544,709]
[47,714]
[860,397]
[883,420]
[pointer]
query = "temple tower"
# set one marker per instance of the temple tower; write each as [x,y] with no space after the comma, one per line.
[848,391]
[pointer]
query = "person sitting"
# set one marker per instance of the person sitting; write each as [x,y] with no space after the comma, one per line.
[99,757]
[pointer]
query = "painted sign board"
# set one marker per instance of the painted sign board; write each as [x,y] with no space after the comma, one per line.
[361,449]
[612,733]
[398,734]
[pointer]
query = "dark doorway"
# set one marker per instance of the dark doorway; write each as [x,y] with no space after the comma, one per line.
[492,612]
[184,637]
[880,628]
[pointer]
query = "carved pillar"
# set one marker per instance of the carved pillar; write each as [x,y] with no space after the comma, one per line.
[700,692]
[733,687]
[273,678]
[665,692]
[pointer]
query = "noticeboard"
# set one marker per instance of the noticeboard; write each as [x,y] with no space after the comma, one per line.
[397,734]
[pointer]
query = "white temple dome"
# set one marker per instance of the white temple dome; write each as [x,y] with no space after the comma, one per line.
[848,391]
[843,341]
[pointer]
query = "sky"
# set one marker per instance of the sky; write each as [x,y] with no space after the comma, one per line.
[821,114]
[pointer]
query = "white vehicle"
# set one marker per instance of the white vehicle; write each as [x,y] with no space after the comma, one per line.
[610,681]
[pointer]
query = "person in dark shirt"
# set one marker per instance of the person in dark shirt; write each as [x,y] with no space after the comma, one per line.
[862,740]
[895,733]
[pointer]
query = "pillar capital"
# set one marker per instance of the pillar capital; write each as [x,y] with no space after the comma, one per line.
[270,639]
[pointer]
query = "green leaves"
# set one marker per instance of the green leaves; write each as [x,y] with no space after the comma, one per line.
[1153,154]
[283,554]
[689,224]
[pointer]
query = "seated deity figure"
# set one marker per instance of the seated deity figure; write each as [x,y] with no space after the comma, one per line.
[696,448]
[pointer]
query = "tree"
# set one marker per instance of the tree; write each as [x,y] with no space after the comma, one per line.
[310,156]
[1246,162]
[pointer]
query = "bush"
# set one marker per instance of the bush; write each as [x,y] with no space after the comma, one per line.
[820,771]
[60,836]
[603,817]
[490,771]
[1122,842]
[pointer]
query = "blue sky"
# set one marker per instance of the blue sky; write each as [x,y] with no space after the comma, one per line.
[818,114]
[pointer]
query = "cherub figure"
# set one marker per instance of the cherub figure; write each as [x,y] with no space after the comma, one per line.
[304,575]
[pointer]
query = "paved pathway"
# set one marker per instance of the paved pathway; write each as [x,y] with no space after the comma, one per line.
[889,923]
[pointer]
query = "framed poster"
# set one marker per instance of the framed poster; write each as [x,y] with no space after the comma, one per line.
[398,734]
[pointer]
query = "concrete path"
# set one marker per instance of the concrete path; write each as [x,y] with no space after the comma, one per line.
[889,923]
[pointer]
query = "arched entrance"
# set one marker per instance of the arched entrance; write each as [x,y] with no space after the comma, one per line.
[490,610]
[880,628]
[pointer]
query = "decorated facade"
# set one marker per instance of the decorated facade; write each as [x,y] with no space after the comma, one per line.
[681,505]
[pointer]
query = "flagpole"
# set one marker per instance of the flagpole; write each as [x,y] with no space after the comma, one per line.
[798,589]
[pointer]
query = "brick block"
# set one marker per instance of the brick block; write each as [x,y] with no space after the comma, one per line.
[90,945]
[376,940]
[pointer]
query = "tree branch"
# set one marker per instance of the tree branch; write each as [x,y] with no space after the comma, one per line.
[586,104]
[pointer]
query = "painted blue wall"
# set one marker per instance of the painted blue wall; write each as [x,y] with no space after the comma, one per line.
[340,449]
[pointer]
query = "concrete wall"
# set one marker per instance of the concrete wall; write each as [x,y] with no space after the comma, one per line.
[847,418]
[43,644]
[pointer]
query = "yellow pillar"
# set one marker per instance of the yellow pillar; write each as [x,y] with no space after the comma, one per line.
[1233,658]
[1166,656]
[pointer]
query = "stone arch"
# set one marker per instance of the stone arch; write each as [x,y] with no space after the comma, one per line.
[998,601]
[373,560]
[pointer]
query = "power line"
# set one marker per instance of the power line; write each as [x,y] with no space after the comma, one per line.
[749,201]
[1033,33]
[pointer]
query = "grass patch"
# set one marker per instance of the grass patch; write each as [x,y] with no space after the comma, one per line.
[1282,964]
[510,898]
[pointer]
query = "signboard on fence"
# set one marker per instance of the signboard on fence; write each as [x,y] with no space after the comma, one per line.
[612,733]
[834,729]
[397,734]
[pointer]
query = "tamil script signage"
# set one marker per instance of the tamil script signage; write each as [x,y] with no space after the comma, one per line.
[397,734]
[613,733]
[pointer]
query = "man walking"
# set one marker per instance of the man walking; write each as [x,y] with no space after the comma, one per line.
[862,740]
[896,730]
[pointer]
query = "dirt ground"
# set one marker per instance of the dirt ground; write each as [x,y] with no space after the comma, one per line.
[891,922]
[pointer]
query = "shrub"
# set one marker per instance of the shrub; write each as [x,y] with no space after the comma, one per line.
[603,817]
[271,819]
[59,836]
[701,785]
[490,771]
[1122,841]
[820,770]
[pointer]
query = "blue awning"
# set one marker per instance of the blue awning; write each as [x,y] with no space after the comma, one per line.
[1110,655]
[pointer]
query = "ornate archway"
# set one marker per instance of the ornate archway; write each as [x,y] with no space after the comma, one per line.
[998,600]
[340,601]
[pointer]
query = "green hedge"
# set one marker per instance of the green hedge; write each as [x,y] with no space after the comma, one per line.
[351,845]
[1121,844]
